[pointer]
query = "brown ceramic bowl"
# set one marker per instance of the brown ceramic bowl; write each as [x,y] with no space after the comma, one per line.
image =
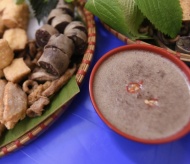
[142,93]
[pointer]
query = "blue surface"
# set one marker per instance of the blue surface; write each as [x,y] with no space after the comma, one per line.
[79,136]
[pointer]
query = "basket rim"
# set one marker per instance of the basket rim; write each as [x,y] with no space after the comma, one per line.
[182,56]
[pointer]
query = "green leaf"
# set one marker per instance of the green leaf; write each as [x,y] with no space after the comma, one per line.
[63,96]
[69,1]
[18,2]
[121,15]
[42,7]
[166,16]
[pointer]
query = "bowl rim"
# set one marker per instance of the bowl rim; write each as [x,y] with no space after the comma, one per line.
[160,51]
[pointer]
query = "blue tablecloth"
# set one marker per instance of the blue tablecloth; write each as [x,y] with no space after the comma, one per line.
[79,136]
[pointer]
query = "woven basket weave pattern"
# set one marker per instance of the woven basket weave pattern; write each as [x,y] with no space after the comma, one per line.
[182,56]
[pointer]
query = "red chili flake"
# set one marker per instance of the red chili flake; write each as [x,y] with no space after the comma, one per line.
[151,102]
[134,87]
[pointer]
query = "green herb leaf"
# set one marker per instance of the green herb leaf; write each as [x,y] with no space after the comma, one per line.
[42,7]
[18,2]
[121,15]
[166,16]
[69,1]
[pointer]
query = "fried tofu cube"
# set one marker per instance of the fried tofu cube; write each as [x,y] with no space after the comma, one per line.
[17,71]
[6,54]
[16,37]
[185,5]
[15,15]
[4,4]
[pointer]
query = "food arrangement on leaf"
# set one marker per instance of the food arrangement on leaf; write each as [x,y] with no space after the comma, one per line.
[41,74]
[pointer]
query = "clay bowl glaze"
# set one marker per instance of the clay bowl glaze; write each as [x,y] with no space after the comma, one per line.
[142,93]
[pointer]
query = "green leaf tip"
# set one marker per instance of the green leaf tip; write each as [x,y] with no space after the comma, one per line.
[69,1]
[18,2]
[166,16]
[123,16]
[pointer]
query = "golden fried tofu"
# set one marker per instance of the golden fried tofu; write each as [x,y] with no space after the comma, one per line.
[17,71]
[2,88]
[185,5]
[6,54]
[16,37]
[4,4]
[15,105]
[14,15]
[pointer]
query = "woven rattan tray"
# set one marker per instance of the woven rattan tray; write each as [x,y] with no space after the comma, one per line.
[84,66]
[184,57]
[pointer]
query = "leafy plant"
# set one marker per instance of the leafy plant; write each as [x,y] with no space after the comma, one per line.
[125,16]
[122,15]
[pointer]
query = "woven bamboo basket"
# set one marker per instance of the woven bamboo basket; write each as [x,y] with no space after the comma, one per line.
[82,70]
[182,56]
